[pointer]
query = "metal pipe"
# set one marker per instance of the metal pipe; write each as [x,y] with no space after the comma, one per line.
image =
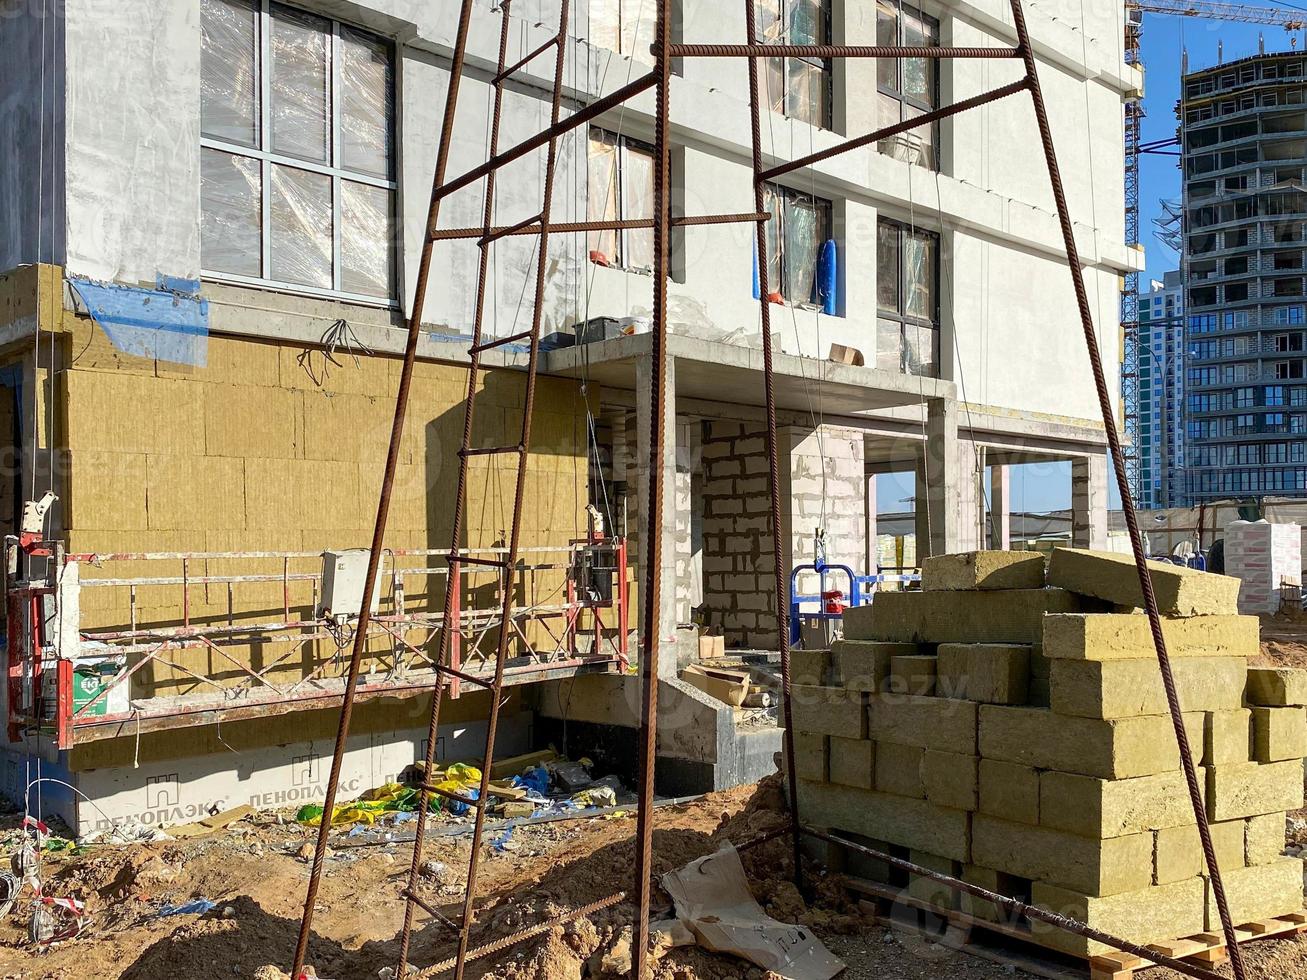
[1123,482]
[387,484]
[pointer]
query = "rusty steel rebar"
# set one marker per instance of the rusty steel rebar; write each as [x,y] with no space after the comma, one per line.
[459,508]
[1123,482]
[625,224]
[387,485]
[754,51]
[903,126]
[652,547]
[773,446]
[1020,908]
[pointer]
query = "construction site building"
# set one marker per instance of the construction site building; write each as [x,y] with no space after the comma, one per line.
[213,220]
[1244,149]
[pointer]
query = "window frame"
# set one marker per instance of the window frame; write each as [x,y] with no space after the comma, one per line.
[621,236]
[335,170]
[825,66]
[825,209]
[933,66]
[902,317]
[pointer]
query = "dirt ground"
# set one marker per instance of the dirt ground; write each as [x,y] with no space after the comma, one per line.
[256,872]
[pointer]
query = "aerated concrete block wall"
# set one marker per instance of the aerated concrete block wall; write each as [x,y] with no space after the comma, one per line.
[1012,730]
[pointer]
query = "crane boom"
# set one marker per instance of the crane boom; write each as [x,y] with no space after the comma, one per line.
[1289,19]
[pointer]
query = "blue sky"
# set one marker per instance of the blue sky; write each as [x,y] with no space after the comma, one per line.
[1044,487]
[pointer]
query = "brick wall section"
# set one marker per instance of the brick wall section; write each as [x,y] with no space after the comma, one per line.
[738,566]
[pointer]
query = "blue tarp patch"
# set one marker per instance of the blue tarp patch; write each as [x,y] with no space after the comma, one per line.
[170,323]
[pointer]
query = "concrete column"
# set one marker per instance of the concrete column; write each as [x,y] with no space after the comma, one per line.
[948,492]
[667,522]
[1000,508]
[870,508]
[1089,502]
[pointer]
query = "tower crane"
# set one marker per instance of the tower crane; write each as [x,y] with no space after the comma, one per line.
[1288,18]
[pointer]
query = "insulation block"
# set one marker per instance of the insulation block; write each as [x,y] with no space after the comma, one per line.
[811,754]
[1115,749]
[828,711]
[1227,737]
[898,770]
[1253,789]
[861,665]
[1112,577]
[1279,734]
[1264,839]
[810,667]
[1127,688]
[1127,636]
[1145,915]
[930,891]
[961,617]
[914,674]
[983,570]
[928,723]
[1260,892]
[1277,686]
[1178,854]
[905,822]
[1100,808]
[1092,867]
[852,762]
[950,779]
[1009,791]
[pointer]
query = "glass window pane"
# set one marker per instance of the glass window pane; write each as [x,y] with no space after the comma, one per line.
[920,273]
[639,26]
[918,73]
[806,92]
[920,350]
[770,26]
[887,267]
[301,116]
[918,144]
[889,345]
[231,196]
[229,71]
[807,22]
[773,84]
[301,230]
[366,104]
[887,36]
[637,202]
[367,239]
[775,204]
[603,192]
[801,245]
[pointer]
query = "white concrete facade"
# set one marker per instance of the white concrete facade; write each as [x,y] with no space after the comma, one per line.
[1013,381]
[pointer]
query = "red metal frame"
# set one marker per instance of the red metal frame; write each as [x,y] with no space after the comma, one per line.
[31,653]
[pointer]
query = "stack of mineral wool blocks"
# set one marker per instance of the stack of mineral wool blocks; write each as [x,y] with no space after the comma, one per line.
[1007,725]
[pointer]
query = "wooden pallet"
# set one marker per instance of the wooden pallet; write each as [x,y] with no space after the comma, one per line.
[1013,945]
[1206,947]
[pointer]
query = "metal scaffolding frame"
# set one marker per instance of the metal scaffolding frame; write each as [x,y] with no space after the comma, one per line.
[664,51]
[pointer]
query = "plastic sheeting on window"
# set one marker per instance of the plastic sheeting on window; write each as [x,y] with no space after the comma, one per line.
[367,105]
[602,188]
[367,255]
[229,71]
[802,244]
[231,191]
[624,26]
[170,323]
[637,202]
[300,85]
[301,227]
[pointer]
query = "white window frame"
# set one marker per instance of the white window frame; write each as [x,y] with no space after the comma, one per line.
[336,172]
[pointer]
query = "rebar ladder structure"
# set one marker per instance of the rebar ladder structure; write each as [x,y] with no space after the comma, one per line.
[664,51]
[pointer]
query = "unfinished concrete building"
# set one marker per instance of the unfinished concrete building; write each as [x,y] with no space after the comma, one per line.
[199,332]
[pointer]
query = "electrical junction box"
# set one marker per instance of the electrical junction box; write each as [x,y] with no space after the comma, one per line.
[343,574]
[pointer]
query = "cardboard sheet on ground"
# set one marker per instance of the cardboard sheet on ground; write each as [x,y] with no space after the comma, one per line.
[712,897]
